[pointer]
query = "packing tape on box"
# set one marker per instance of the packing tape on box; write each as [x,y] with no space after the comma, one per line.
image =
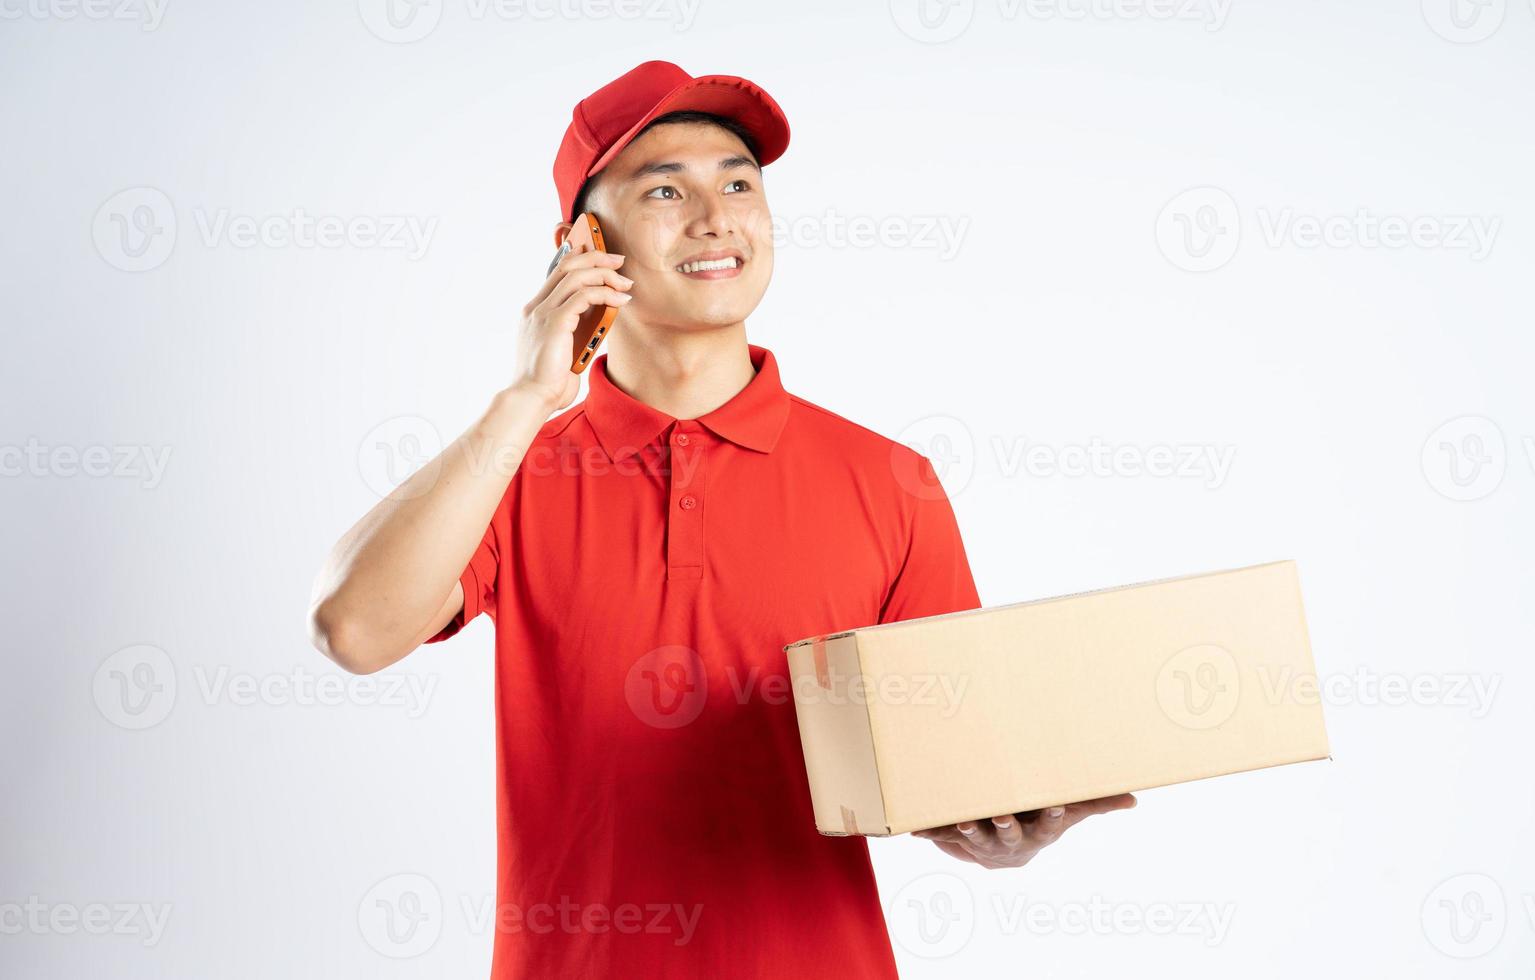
[849,821]
[818,654]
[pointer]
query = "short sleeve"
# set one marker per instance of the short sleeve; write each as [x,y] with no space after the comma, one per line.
[935,576]
[478,581]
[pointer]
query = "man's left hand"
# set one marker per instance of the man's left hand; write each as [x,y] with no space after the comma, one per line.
[1012,840]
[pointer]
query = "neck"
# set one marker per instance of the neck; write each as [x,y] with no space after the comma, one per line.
[684,375]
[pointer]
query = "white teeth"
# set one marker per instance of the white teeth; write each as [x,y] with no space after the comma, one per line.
[725,263]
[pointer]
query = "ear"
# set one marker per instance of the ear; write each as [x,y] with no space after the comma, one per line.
[560,231]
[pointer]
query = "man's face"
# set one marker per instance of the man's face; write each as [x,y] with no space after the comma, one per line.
[681,192]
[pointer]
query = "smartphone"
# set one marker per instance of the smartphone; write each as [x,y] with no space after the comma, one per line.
[585,235]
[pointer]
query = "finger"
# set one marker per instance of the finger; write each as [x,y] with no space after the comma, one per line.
[586,297]
[1009,831]
[978,835]
[581,278]
[947,834]
[1077,812]
[1046,825]
[574,261]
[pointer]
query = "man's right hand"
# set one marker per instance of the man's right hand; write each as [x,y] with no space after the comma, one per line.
[545,339]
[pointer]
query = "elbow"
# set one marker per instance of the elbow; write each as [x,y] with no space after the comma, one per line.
[340,638]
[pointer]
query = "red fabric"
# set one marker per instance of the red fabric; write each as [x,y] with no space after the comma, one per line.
[644,575]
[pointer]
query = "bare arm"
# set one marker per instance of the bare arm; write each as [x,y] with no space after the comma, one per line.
[391,582]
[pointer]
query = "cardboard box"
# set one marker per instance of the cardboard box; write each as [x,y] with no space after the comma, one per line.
[974,714]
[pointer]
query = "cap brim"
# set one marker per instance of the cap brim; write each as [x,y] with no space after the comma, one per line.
[724,95]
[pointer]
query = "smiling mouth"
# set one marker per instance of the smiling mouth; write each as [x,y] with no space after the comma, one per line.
[725,268]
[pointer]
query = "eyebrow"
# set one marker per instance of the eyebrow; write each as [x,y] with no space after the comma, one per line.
[672,167]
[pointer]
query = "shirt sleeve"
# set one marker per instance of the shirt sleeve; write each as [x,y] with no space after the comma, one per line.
[935,577]
[479,582]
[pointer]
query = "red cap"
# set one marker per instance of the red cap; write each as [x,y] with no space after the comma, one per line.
[606,121]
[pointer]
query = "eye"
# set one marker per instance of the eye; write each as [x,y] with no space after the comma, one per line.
[663,187]
[745,185]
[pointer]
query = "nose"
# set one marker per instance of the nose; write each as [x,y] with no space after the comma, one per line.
[713,220]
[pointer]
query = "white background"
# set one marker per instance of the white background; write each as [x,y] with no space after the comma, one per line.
[1080,298]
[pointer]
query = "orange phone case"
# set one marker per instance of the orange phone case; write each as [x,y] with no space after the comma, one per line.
[586,235]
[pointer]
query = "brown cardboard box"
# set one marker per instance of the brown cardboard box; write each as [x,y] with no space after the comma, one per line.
[1000,710]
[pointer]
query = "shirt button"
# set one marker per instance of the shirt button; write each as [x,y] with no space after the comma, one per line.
[682,439]
[688,502]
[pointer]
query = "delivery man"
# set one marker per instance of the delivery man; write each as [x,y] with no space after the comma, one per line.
[645,555]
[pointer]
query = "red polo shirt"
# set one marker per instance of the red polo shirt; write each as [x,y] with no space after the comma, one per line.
[644,574]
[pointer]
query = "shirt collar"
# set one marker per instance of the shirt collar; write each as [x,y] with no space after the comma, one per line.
[753,418]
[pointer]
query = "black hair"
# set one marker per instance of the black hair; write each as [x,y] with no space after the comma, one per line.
[682,116]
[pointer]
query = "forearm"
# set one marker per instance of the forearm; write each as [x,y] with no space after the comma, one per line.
[389,577]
